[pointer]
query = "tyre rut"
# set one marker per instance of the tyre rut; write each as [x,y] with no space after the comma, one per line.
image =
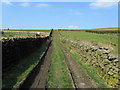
[80,78]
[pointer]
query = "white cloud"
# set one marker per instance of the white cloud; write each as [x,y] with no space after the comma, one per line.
[103,3]
[7,2]
[25,4]
[72,26]
[43,5]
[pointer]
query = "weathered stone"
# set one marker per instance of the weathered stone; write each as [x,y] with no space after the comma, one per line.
[100,57]
[110,73]
[104,57]
[116,60]
[101,47]
[111,57]
[101,65]
[106,48]
[99,52]
[116,69]
[94,48]
[106,61]
[106,51]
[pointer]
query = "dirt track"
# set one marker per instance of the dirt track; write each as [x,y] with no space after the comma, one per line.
[80,79]
[40,80]
[37,78]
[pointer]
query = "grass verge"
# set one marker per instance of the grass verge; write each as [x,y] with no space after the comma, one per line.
[90,70]
[58,77]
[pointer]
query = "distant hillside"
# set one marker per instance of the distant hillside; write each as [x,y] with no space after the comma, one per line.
[112,28]
[96,29]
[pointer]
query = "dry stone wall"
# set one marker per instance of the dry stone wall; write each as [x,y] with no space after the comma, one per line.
[15,49]
[101,58]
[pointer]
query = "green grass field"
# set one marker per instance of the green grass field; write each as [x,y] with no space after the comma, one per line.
[58,76]
[103,39]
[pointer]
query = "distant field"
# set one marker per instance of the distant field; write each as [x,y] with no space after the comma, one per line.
[99,29]
[23,33]
[28,30]
[106,29]
[12,34]
[102,39]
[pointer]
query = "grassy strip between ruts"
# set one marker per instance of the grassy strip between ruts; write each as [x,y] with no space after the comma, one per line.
[58,76]
[90,70]
[18,73]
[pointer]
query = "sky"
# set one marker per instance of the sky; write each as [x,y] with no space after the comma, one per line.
[59,15]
